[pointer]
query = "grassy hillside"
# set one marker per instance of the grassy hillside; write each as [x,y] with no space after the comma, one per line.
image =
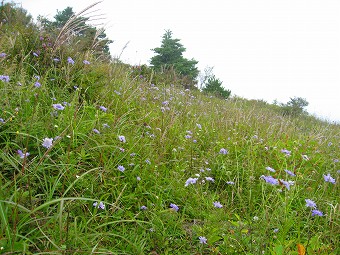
[95,159]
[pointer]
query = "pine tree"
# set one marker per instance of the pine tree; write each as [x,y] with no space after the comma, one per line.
[170,55]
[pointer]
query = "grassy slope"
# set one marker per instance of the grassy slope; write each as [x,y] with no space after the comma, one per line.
[47,197]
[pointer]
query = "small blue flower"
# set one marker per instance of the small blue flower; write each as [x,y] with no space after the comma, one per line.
[4,78]
[86,62]
[287,152]
[122,138]
[223,151]
[218,204]
[3,55]
[2,120]
[290,172]
[316,212]
[287,183]
[58,107]
[270,169]
[70,60]
[37,84]
[310,203]
[203,240]
[47,142]
[210,179]
[121,168]
[198,126]
[101,205]
[96,131]
[105,125]
[103,108]
[269,179]
[190,181]
[143,207]
[35,54]
[23,155]
[329,178]
[174,207]
[148,161]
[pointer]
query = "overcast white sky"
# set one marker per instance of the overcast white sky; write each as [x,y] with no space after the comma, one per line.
[260,49]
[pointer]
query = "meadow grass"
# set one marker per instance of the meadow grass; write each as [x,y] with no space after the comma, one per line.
[95,159]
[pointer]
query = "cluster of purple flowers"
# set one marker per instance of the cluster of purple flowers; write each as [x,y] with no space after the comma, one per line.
[310,203]
[99,205]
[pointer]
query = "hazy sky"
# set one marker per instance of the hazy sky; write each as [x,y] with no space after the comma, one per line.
[260,49]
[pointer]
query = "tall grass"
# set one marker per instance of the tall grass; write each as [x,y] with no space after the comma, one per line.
[126,154]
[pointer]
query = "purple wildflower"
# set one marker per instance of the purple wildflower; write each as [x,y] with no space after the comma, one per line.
[270,169]
[2,120]
[86,62]
[188,136]
[23,155]
[105,125]
[37,77]
[316,212]
[217,204]
[269,179]
[3,55]
[287,183]
[203,239]
[138,178]
[174,207]
[70,60]
[190,181]
[231,183]
[143,207]
[121,168]
[101,205]
[148,161]
[132,154]
[198,126]
[35,54]
[287,152]
[58,107]
[223,151]
[47,142]
[37,84]
[210,179]
[329,178]
[96,131]
[4,78]
[103,108]
[290,172]
[276,230]
[310,203]
[56,59]
[122,138]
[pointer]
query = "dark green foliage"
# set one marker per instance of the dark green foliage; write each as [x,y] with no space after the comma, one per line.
[214,86]
[294,107]
[86,36]
[170,55]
